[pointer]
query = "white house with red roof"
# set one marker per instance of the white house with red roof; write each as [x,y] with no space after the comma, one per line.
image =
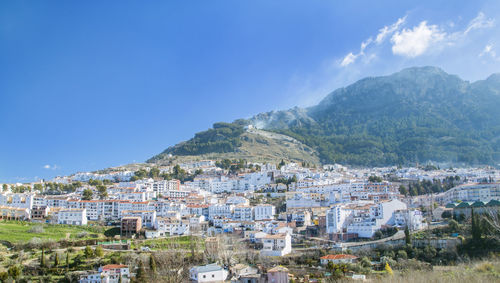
[110,273]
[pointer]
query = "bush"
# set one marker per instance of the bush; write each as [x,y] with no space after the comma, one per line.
[36,229]
[485,267]
[82,234]
[446,214]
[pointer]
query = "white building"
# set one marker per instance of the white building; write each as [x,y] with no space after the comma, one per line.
[473,192]
[164,186]
[264,212]
[220,211]
[111,273]
[336,219]
[276,245]
[75,216]
[208,273]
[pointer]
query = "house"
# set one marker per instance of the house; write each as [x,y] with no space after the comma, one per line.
[131,225]
[72,216]
[338,258]
[276,245]
[278,274]
[90,277]
[39,212]
[7,212]
[111,273]
[240,270]
[264,212]
[208,273]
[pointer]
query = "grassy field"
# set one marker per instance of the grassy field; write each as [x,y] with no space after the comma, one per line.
[17,231]
[482,271]
[183,242]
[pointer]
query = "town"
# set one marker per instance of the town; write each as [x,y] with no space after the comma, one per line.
[238,221]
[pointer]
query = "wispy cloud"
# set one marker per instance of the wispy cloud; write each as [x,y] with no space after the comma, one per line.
[479,22]
[50,167]
[489,51]
[388,30]
[383,33]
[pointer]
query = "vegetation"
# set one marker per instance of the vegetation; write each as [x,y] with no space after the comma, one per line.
[223,137]
[426,186]
[416,115]
[19,232]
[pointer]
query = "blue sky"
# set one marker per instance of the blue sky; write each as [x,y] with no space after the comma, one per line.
[92,84]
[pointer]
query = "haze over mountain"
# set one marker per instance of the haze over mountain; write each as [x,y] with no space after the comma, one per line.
[416,115]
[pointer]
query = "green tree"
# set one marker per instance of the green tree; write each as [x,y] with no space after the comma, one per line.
[281,164]
[56,260]
[140,276]
[99,252]
[141,173]
[403,190]
[453,226]
[38,187]
[402,254]
[14,271]
[4,276]
[102,191]
[87,194]
[475,227]
[152,264]
[374,179]
[154,173]
[42,259]
[407,235]
[5,187]
[67,261]
[89,253]
[95,182]
[365,262]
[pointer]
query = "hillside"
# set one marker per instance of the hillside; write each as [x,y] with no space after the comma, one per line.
[416,115]
[252,145]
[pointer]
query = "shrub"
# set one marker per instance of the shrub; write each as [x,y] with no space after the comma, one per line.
[485,267]
[36,229]
[82,234]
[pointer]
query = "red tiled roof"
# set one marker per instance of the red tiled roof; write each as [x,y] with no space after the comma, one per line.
[339,256]
[114,266]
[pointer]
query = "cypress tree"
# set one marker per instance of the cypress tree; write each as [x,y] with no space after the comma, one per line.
[407,236]
[42,259]
[152,263]
[67,261]
[141,273]
[476,228]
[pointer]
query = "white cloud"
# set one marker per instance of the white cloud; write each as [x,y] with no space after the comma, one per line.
[348,59]
[388,30]
[479,22]
[383,32]
[416,41]
[50,167]
[488,51]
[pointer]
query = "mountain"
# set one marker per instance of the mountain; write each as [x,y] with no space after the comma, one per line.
[239,143]
[419,114]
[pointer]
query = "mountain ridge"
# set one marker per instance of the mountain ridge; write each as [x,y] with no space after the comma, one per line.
[418,114]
